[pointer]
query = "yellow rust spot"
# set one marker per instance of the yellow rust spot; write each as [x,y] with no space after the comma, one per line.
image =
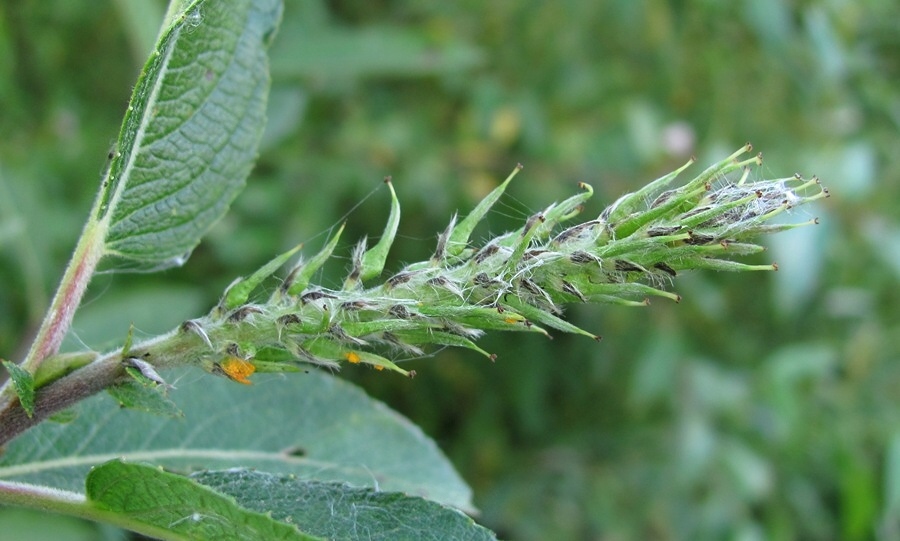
[379,367]
[352,357]
[512,320]
[237,369]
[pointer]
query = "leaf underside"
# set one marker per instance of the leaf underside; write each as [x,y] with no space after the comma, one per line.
[314,426]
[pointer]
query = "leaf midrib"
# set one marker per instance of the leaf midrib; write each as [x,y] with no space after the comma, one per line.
[158,454]
[122,183]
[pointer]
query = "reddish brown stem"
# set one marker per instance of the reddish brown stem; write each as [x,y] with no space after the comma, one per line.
[59,395]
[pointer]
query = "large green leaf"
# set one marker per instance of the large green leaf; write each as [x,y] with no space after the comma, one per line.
[326,52]
[190,135]
[338,511]
[176,505]
[313,425]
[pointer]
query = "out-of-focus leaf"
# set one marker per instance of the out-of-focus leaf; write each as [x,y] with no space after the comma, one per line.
[311,425]
[104,323]
[27,525]
[346,54]
[800,255]
[892,478]
[142,20]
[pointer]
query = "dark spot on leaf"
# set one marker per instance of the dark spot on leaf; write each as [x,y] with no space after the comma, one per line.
[298,452]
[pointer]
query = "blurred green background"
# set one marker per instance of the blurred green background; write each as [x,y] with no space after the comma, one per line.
[763,406]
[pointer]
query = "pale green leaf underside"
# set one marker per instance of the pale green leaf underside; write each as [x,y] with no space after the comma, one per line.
[313,425]
[175,504]
[190,136]
[337,511]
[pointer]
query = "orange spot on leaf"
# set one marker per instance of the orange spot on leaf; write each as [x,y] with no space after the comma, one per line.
[352,357]
[237,369]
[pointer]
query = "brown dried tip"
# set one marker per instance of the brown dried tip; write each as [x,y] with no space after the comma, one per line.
[774,266]
[192,326]
[189,326]
[288,319]
[677,298]
[816,220]
[241,313]
[748,146]
[492,357]
[412,374]
[387,179]
[798,176]
[519,166]
[759,159]
[582,186]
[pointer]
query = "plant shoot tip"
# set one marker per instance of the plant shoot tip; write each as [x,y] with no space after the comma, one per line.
[387,179]
[774,266]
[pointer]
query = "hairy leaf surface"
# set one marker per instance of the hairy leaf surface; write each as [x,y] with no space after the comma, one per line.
[175,504]
[339,511]
[190,135]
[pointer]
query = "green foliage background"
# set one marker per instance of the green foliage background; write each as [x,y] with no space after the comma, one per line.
[763,406]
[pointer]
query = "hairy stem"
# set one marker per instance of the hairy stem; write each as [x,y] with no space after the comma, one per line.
[68,296]
[59,395]
[62,309]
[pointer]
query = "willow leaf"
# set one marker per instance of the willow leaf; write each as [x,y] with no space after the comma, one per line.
[190,134]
